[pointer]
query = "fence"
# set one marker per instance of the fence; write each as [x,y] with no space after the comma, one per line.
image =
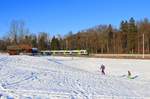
[134,56]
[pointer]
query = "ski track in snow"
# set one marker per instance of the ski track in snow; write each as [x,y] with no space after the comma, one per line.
[65,78]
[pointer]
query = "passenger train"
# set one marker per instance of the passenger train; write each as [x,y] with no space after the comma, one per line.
[64,52]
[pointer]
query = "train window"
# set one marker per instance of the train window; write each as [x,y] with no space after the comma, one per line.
[82,51]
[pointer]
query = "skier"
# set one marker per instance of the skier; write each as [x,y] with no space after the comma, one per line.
[129,74]
[102,69]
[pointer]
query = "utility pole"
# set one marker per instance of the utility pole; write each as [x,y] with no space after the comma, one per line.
[143,46]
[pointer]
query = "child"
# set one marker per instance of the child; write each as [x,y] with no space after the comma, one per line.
[129,74]
[102,69]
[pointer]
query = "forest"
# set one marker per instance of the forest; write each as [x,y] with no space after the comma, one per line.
[102,39]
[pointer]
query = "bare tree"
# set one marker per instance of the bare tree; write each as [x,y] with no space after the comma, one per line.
[17,31]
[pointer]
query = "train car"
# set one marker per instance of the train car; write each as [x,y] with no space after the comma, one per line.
[64,52]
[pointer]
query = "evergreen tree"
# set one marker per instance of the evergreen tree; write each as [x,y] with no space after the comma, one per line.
[110,38]
[55,44]
[43,41]
[132,36]
[124,31]
[34,41]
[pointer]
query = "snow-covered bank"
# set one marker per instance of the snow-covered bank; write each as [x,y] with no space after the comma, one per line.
[73,78]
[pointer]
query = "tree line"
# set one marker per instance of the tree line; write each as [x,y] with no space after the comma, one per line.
[128,38]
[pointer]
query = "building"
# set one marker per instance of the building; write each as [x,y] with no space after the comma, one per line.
[25,48]
[17,49]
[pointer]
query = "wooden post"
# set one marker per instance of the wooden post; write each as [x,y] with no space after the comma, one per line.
[143,46]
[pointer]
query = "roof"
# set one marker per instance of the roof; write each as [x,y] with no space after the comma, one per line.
[13,47]
[19,47]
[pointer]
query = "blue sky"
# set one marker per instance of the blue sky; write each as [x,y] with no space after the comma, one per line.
[62,16]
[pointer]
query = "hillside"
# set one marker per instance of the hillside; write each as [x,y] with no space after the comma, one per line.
[27,77]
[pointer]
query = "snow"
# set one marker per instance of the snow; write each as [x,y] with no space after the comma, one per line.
[51,77]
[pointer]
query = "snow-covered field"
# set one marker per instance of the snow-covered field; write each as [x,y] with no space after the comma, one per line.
[49,77]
